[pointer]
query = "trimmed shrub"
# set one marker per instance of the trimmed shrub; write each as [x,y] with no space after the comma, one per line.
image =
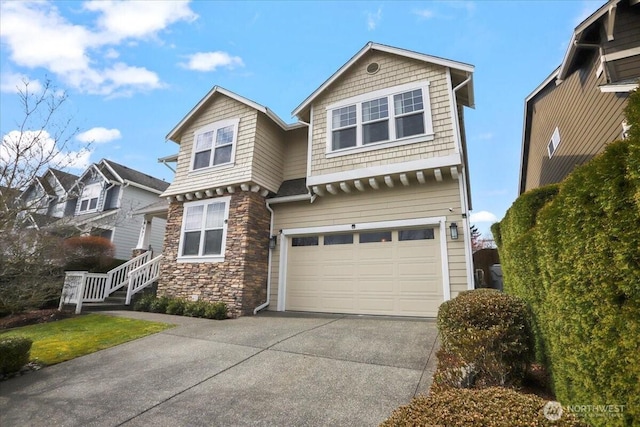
[143,303]
[177,306]
[217,310]
[196,308]
[14,354]
[579,269]
[181,307]
[490,407]
[489,331]
[159,305]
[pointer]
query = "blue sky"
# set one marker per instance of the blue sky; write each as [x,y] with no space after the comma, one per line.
[133,70]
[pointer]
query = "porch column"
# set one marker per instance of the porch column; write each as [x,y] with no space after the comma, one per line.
[144,237]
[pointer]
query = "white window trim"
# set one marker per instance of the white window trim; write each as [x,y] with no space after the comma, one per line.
[88,199]
[370,96]
[553,142]
[205,258]
[213,127]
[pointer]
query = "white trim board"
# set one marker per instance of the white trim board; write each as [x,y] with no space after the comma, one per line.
[414,165]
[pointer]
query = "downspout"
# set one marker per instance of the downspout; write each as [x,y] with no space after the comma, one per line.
[266,304]
[465,197]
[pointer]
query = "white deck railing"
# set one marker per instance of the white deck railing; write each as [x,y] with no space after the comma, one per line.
[119,276]
[142,277]
[81,286]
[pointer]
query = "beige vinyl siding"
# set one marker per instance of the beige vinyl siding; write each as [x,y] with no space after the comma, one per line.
[394,71]
[268,155]
[587,120]
[295,160]
[431,200]
[220,107]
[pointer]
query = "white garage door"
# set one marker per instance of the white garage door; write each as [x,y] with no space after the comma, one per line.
[391,272]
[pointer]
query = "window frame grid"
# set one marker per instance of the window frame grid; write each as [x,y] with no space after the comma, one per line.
[214,128]
[392,140]
[200,257]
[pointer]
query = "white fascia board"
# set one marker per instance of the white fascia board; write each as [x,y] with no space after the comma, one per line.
[402,223]
[618,88]
[382,48]
[542,85]
[169,158]
[112,170]
[217,89]
[430,163]
[143,187]
[622,54]
[93,166]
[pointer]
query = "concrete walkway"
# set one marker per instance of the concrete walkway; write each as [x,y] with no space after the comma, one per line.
[270,369]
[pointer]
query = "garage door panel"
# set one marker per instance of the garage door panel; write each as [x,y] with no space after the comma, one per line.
[387,278]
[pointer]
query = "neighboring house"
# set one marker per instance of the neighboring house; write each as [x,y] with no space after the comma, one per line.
[108,196]
[359,207]
[49,198]
[579,108]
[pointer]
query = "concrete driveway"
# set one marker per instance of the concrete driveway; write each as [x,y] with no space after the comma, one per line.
[271,369]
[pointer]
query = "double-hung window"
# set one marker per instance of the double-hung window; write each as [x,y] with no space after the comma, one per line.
[388,117]
[553,142]
[204,230]
[215,144]
[89,198]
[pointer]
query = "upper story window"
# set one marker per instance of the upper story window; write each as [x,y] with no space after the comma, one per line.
[215,144]
[204,230]
[396,115]
[553,142]
[89,197]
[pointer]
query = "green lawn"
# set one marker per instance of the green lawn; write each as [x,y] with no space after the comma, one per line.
[55,342]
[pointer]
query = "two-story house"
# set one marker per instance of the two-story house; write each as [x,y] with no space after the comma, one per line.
[48,198]
[108,197]
[576,111]
[359,207]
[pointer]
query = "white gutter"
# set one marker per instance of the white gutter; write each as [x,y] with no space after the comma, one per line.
[285,199]
[266,304]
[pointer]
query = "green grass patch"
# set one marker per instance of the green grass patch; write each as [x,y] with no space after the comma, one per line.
[56,342]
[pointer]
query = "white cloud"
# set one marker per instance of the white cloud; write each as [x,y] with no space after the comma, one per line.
[137,19]
[373,19]
[483,216]
[210,61]
[29,149]
[14,82]
[38,36]
[99,135]
[424,13]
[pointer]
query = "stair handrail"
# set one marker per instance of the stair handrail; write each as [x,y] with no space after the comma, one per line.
[143,276]
[119,276]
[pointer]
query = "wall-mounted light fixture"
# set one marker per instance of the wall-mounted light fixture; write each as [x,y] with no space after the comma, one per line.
[453,229]
[273,240]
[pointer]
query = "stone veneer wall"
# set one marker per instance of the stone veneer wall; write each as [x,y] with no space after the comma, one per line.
[239,281]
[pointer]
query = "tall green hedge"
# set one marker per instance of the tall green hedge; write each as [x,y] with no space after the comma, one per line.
[573,253]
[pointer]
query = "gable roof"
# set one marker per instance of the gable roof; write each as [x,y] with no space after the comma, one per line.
[66,180]
[608,8]
[125,174]
[172,135]
[388,49]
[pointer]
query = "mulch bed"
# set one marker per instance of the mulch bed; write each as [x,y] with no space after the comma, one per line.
[33,317]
